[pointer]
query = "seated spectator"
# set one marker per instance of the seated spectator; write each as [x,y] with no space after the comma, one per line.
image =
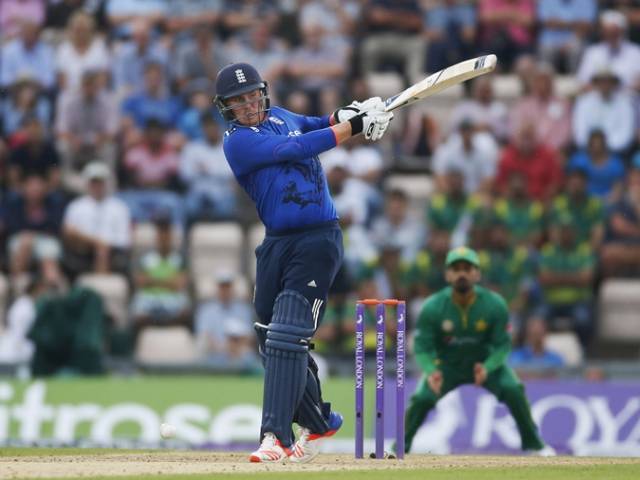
[393,33]
[537,162]
[447,207]
[14,12]
[224,328]
[239,15]
[552,114]
[317,69]
[199,92]
[82,50]
[419,135]
[132,56]
[188,16]
[211,193]
[27,57]
[613,52]
[508,270]
[122,13]
[585,210]
[59,13]
[475,153]
[151,170]
[425,275]
[450,31]
[86,128]
[34,155]
[32,221]
[340,20]
[96,246]
[482,109]
[566,27]
[200,58]
[606,107]
[506,28]
[160,281]
[387,271]
[620,254]
[398,226]
[533,354]
[566,276]
[24,101]
[154,101]
[523,215]
[15,346]
[605,170]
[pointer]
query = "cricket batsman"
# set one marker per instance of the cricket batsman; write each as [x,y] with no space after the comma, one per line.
[273,154]
[462,336]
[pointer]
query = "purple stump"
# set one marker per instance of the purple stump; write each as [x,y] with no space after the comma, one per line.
[400,357]
[359,379]
[380,352]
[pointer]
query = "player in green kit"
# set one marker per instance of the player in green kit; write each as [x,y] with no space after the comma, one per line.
[462,336]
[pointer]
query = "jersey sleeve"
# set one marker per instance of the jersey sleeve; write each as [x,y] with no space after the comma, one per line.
[309,124]
[424,343]
[500,340]
[248,150]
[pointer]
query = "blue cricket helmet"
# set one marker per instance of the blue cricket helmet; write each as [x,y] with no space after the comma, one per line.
[236,79]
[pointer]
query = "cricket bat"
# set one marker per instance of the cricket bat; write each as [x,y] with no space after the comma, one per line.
[445,78]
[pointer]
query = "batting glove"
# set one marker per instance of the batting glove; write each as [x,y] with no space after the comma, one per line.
[375,124]
[344,114]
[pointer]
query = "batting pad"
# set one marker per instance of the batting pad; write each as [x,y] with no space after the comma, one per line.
[286,362]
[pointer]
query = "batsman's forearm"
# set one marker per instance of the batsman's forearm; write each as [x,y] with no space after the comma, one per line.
[497,358]
[427,362]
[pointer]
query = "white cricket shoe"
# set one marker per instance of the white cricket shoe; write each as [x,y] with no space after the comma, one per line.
[270,451]
[546,451]
[308,445]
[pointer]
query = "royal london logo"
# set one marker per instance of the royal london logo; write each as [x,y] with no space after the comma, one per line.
[240,76]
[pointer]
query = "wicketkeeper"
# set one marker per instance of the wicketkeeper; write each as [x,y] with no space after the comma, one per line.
[462,336]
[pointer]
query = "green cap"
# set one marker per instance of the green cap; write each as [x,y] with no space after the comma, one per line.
[462,253]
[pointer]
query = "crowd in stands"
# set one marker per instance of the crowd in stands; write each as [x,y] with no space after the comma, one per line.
[107,123]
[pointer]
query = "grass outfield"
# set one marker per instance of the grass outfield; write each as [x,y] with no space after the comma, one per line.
[189,465]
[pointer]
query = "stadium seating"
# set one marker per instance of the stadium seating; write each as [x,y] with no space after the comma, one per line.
[144,238]
[567,345]
[619,305]
[114,291]
[165,347]
[205,287]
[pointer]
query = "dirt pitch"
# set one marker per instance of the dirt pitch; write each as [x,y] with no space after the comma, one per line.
[130,464]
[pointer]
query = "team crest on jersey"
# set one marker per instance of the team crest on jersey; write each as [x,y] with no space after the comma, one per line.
[276,120]
[481,325]
[447,325]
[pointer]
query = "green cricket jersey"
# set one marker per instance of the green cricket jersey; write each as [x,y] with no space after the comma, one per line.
[523,220]
[586,215]
[450,337]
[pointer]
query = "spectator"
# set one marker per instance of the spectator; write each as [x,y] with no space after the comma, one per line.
[131,58]
[393,32]
[24,101]
[96,246]
[204,170]
[483,110]
[224,328]
[160,281]
[151,168]
[59,13]
[82,50]
[14,12]
[585,210]
[425,275]
[475,153]
[506,28]
[200,58]
[566,26]
[552,114]
[398,226]
[199,92]
[523,215]
[508,270]
[449,209]
[631,10]
[606,107]
[154,101]
[387,271]
[536,161]
[122,13]
[27,57]
[566,277]
[620,254]
[187,16]
[613,52]
[533,354]
[86,128]
[420,133]
[35,154]
[32,223]
[605,170]
[317,69]
[238,15]
[339,18]
[450,31]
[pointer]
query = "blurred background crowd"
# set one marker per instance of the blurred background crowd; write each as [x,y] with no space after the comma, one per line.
[125,237]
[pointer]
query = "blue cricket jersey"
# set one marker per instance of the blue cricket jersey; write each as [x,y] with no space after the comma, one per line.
[277,164]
